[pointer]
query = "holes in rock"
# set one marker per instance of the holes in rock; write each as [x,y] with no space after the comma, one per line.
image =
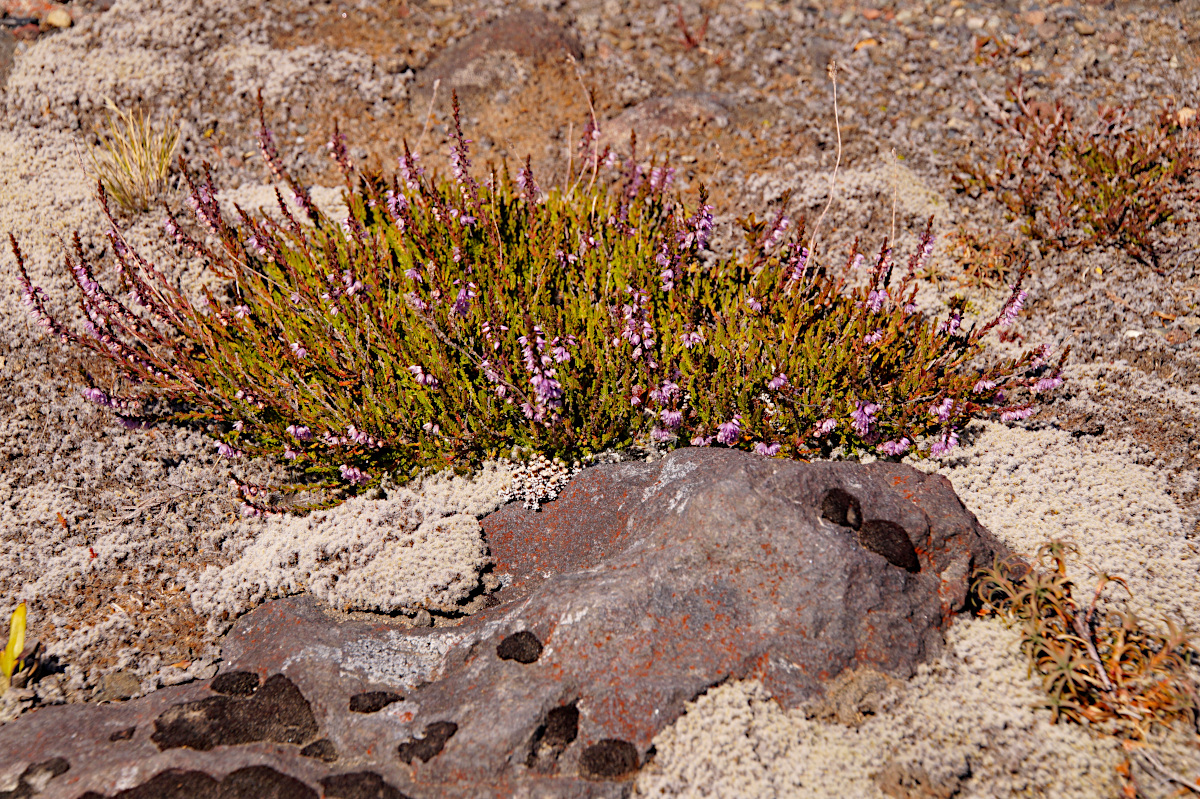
[610,759]
[359,785]
[428,747]
[253,782]
[372,701]
[35,776]
[890,540]
[881,537]
[235,683]
[523,647]
[552,737]
[841,508]
[322,749]
[122,735]
[276,712]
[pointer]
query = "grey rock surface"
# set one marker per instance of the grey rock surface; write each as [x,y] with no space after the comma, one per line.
[641,587]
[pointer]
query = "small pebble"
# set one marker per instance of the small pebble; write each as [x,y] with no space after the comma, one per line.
[1084,28]
[58,18]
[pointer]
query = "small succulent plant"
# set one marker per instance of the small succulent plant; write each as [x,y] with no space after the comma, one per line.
[1110,671]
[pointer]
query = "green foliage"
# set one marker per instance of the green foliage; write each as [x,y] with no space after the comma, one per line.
[1108,671]
[446,322]
[1107,183]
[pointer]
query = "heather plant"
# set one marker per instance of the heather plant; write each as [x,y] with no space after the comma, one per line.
[1111,182]
[986,258]
[1109,671]
[134,157]
[452,319]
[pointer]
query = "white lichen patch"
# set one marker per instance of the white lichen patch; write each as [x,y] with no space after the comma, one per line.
[420,547]
[399,659]
[968,713]
[538,480]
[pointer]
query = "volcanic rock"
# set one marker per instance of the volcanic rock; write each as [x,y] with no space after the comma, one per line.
[641,587]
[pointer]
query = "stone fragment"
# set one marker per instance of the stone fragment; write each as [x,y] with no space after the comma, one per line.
[642,586]
[1084,28]
[58,17]
[118,686]
[503,52]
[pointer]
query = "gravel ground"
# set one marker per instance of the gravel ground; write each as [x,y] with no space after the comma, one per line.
[104,531]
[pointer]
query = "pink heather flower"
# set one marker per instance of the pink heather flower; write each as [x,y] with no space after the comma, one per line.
[664,392]
[943,410]
[982,386]
[660,435]
[690,340]
[431,427]
[300,433]
[241,311]
[249,511]
[226,451]
[729,433]
[777,382]
[352,475]
[134,424]
[290,453]
[671,419]
[911,308]
[767,450]
[298,351]
[864,417]
[894,447]
[1012,308]
[238,425]
[950,325]
[611,161]
[95,395]
[876,299]
[754,304]
[1014,415]
[874,338]
[947,442]
[422,377]
[826,427]
[1047,384]
[858,261]
[776,235]
[702,441]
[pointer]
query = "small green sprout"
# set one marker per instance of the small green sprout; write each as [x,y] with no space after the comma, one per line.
[10,658]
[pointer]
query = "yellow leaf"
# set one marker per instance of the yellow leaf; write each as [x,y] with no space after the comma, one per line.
[16,641]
